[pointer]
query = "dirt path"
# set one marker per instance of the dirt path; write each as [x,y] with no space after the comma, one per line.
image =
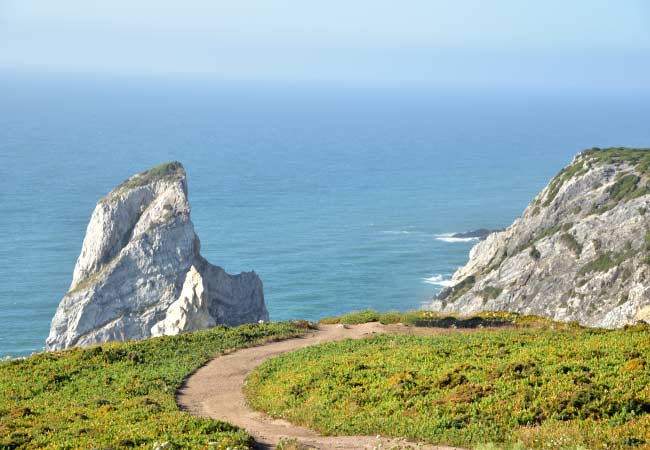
[215,391]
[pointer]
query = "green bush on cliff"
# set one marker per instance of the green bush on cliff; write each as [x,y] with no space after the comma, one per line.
[119,395]
[571,242]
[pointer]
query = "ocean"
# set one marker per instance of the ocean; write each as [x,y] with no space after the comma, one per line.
[340,197]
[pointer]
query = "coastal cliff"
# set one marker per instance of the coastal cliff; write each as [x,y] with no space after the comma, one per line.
[140,272]
[579,252]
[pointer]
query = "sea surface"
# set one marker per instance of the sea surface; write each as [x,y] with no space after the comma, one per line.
[341,198]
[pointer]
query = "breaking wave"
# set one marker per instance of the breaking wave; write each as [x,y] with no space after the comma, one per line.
[449,237]
[438,280]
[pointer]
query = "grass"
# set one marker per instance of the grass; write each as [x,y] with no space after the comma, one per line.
[637,157]
[353,318]
[561,389]
[120,395]
[572,244]
[607,260]
[164,170]
[425,318]
[391,317]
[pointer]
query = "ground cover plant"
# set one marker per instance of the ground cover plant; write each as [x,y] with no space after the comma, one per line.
[570,388]
[120,395]
[433,319]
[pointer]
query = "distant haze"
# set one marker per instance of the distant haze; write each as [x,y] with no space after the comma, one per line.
[554,43]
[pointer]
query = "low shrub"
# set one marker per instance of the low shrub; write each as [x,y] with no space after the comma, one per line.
[330,320]
[358,317]
[534,253]
[541,389]
[572,243]
[390,318]
[120,395]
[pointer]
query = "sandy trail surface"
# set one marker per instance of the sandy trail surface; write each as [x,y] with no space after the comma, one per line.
[216,391]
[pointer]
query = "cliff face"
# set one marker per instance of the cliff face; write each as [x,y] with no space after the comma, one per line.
[580,251]
[140,273]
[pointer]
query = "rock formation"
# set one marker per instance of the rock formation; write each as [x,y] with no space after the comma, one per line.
[480,234]
[140,273]
[580,251]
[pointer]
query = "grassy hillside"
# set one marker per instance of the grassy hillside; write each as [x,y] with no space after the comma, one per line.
[568,388]
[119,395]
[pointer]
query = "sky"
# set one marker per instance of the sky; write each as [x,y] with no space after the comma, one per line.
[550,43]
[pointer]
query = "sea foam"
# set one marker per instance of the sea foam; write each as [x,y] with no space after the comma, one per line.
[449,237]
[438,280]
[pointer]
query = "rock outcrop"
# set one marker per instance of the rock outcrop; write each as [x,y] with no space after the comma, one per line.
[480,234]
[140,272]
[580,251]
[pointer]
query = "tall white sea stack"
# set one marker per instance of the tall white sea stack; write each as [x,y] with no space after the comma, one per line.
[140,272]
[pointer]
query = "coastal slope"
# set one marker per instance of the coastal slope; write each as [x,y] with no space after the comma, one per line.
[140,272]
[579,252]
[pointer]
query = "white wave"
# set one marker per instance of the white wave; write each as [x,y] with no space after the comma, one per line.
[449,237]
[397,232]
[438,280]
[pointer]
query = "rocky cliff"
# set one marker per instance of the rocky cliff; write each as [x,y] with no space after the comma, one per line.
[580,251]
[140,272]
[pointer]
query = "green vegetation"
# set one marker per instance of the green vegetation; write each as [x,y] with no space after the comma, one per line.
[638,158]
[570,241]
[432,319]
[354,318]
[329,320]
[605,261]
[546,233]
[602,263]
[290,444]
[543,389]
[483,319]
[165,170]
[534,253]
[390,318]
[120,395]
[573,170]
[86,282]
[627,188]
[490,292]
[460,288]
[601,209]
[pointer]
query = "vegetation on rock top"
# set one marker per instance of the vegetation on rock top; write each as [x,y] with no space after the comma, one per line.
[625,188]
[169,169]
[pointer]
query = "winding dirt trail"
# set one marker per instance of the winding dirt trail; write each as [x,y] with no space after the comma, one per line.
[215,391]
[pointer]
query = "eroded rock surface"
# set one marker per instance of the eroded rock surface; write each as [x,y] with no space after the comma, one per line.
[140,272]
[580,251]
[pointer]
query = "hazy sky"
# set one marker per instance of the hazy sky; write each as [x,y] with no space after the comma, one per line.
[556,43]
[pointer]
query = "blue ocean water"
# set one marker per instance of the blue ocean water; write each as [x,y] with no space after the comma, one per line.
[336,196]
